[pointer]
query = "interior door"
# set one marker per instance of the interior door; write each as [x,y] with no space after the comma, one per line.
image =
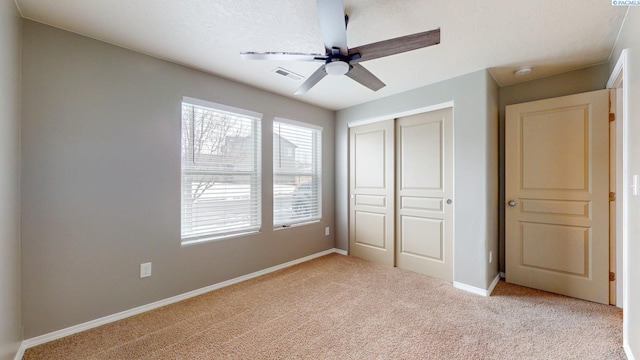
[424,183]
[371,183]
[557,189]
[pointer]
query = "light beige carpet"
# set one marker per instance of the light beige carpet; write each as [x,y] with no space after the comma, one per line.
[339,307]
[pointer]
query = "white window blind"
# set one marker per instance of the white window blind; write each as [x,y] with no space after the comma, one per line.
[220,172]
[297,173]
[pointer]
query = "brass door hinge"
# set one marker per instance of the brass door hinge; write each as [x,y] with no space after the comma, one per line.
[612,276]
[612,196]
[612,117]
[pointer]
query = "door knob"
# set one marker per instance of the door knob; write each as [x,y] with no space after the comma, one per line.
[512,203]
[449,201]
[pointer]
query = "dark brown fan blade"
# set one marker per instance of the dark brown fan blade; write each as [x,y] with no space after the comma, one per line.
[365,77]
[311,81]
[282,56]
[395,45]
[332,25]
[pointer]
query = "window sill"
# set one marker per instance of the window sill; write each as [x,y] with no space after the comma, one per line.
[283,227]
[213,238]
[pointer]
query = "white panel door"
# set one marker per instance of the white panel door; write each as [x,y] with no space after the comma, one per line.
[557,192]
[371,186]
[424,183]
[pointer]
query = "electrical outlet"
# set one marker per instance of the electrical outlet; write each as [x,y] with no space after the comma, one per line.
[145,270]
[326,231]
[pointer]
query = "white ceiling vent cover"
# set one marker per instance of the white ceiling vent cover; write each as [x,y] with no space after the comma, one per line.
[286,73]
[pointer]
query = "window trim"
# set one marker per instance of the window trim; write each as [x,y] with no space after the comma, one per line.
[221,107]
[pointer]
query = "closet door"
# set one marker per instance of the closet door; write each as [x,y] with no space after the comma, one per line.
[371,189]
[424,215]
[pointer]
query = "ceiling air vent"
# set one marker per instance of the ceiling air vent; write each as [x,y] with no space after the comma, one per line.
[288,74]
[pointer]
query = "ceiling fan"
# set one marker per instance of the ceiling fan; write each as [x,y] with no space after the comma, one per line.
[339,59]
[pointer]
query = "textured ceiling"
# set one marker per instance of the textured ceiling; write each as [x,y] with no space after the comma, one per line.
[552,36]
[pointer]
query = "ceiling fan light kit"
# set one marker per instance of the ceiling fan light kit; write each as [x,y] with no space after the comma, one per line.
[337,67]
[338,58]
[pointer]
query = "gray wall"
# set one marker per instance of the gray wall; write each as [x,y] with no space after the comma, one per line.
[629,35]
[630,39]
[475,154]
[101,181]
[10,39]
[574,82]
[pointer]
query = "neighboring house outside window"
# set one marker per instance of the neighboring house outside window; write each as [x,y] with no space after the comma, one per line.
[297,173]
[221,189]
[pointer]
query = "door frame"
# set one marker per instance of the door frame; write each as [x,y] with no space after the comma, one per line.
[617,81]
[394,115]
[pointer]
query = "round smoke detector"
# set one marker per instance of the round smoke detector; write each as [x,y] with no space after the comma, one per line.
[523,70]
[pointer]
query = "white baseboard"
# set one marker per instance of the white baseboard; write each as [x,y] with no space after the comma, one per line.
[27,343]
[20,352]
[475,290]
[341,252]
[628,352]
[493,284]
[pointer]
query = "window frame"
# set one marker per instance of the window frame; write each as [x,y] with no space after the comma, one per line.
[254,209]
[315,173]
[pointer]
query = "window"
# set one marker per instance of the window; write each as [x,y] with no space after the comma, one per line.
[297,165]
[220,171]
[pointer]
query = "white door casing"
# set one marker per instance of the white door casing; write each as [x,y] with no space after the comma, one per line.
[557,193]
